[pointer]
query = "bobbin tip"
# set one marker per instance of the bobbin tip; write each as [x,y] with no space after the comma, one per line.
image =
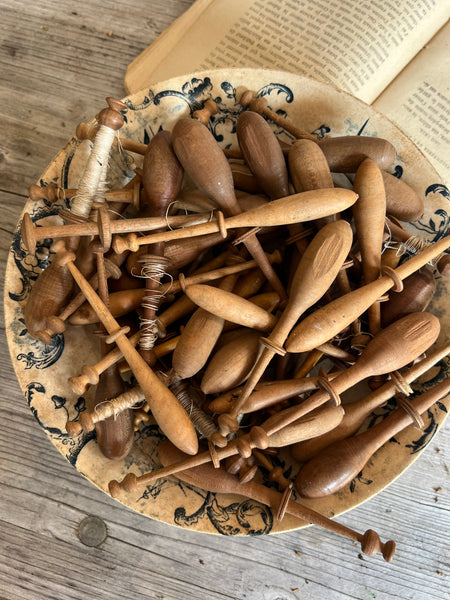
[73,428]
[43,336]
[389,550]
[371,544]
[27,234]
[87,422]
[246,98]
[227,424]
[129,483]
[78,385]
[84,131]
[114,488]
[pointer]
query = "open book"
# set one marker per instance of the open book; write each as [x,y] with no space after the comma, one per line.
[393,54]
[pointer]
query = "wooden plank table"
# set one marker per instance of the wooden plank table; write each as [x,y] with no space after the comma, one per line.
[59,60]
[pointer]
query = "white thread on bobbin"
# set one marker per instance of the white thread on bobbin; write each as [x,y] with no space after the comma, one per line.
[89,182]
[413,245]
[153,269]
[113,408]
[126,157]
[167,212]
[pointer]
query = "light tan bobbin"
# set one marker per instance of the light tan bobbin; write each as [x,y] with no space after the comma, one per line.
[391,349]
[311,426]
[125,301]
[31,234]
[296,208]
[327,322]
[316,271]
[53,193]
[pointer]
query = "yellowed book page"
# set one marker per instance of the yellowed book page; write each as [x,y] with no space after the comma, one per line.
[139,72]
[418,101]
[358,46]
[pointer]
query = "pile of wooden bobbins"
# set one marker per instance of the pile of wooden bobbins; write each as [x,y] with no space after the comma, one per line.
[245,293]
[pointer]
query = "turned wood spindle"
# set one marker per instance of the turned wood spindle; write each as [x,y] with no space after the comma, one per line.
[125,301]
[207,166]
[339,463]
[312,425]
[90,374]
[316,271]
[259,105]
[161,177]
[356,412]
[264,156]
[296,208]
[219,481]
[369,213]
[391,349]
[169,414]
[327,322]
[309,170]
[103,228]
[50,292]
[57,323]
[53,193]
[110,120]
[198,339]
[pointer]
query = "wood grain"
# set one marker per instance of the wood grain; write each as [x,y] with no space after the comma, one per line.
[58,65]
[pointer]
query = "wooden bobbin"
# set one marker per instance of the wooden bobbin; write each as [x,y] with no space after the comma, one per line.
[398,282]
[357,412]
[222,482]
[259,105]
[53,193]
[203,115]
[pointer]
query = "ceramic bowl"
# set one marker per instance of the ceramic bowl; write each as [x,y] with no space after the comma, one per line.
[43,370]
